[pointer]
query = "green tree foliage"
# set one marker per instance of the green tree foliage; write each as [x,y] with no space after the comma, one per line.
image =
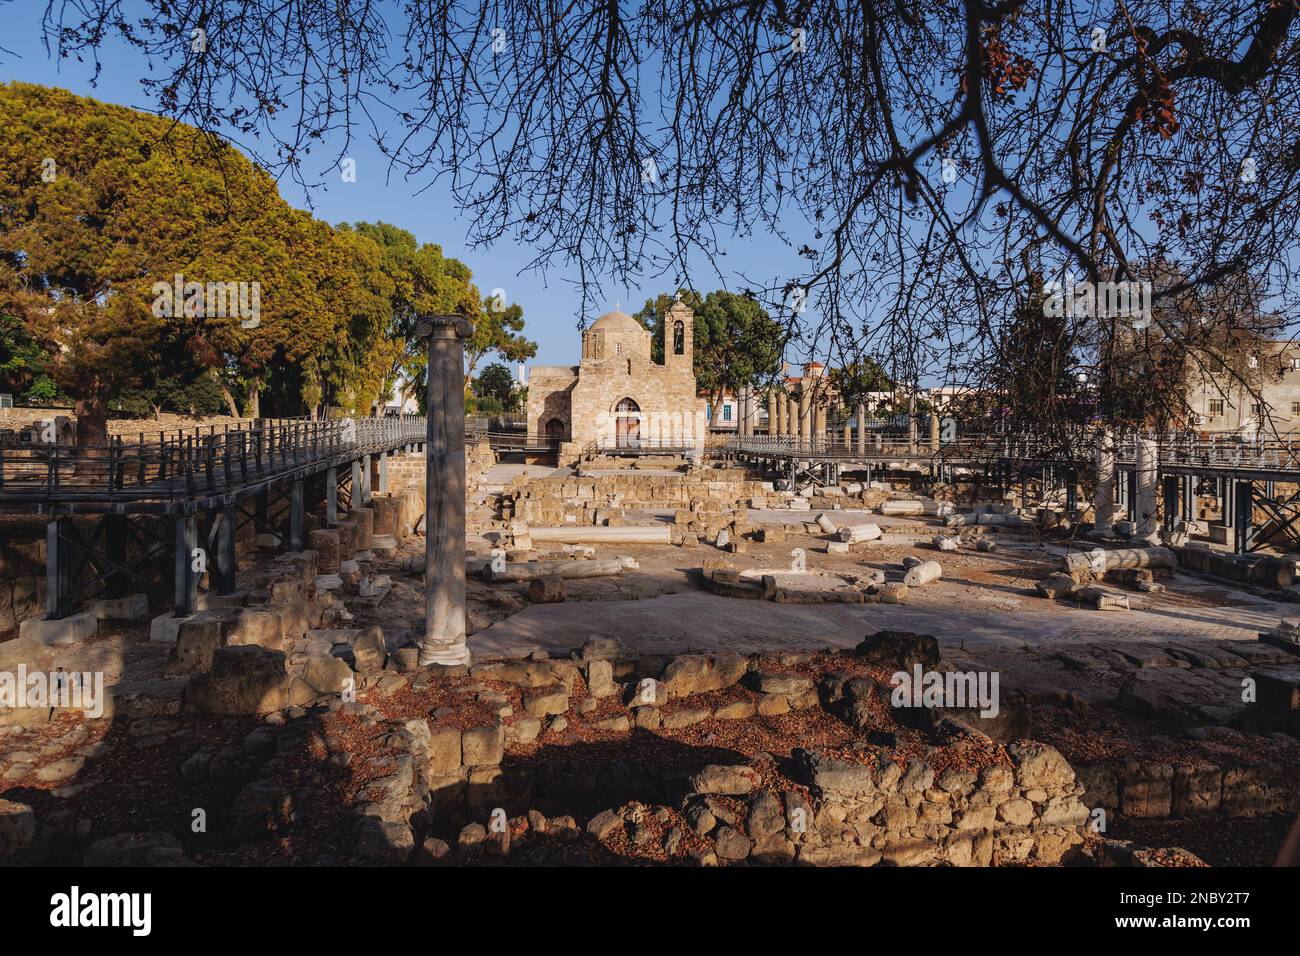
[736,342]
[498,328]
[100,203]
[496,381]
[423,282]
[24,364]
[853,382]
[1037,363]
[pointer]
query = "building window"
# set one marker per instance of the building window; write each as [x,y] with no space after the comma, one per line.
[726,413]
[708,413]
[679,338]
[1216,406]
[1295,364]
[627,426]
[1295,409]
[1255,409]
[618,348]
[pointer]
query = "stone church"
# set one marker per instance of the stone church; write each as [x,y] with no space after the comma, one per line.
[617,397]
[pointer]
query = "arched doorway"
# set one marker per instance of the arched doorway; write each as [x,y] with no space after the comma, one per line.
[627,424]
[555,430]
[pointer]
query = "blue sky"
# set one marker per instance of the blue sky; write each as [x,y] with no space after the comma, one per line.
[549,301]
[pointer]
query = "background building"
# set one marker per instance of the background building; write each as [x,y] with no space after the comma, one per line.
[1221,403]
[617,397]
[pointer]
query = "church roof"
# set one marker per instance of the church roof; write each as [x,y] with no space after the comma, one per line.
[617,321]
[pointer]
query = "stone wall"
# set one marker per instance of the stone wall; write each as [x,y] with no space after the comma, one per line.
[555,501]
[22,572]
[960,801]
[1146,789]
[616,366]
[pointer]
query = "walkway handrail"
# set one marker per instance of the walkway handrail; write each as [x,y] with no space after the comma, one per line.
[190,465]
[1219,452]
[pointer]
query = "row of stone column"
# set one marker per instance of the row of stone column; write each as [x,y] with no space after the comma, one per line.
[801,418]
[1147,468]
[1140,497]
[797,417]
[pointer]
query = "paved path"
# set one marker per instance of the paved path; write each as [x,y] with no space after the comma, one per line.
[955,613]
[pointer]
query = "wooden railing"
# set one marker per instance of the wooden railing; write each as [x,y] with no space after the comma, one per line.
[208,460]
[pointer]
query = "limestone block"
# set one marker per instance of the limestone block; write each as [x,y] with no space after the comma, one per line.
[72,629]
[326,545]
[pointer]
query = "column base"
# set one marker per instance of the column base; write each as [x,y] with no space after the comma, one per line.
[437,653]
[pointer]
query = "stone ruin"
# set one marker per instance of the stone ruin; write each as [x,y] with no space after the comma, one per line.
[315,737]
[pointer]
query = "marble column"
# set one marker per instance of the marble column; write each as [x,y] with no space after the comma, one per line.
[1103,502]
[771,412]
[444,492]
[1148,470]
[805,425]
[861,413]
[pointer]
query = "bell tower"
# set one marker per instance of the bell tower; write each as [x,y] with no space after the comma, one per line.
[679,336]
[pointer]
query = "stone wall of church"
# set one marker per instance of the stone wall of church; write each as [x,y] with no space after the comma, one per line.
[669,408]
[548,397]
[616,365]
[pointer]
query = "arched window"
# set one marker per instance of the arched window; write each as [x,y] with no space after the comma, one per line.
[555,430]
[627,424]
[679,338]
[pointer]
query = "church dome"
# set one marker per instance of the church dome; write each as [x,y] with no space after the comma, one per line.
[617,321]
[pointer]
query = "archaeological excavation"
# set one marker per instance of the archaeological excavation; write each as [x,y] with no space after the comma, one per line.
[844,454]
[703,659]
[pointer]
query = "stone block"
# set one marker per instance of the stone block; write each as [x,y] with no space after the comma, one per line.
[482,746]
[600,678]
[133,607]
[72,629]
[248,680]
[165,627]
[261,626]
[369,650]
[545,701]
[444,751]
[326,545]
[364,519]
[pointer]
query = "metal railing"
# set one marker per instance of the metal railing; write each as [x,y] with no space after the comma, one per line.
[638,446]
[516,440]
[1216,452]
[194,464]
[875,446]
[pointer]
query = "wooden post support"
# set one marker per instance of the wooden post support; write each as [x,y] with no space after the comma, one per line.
[1243,536]
[186,597]
[295,516]
[116,581]
[58,568]
[226,560]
